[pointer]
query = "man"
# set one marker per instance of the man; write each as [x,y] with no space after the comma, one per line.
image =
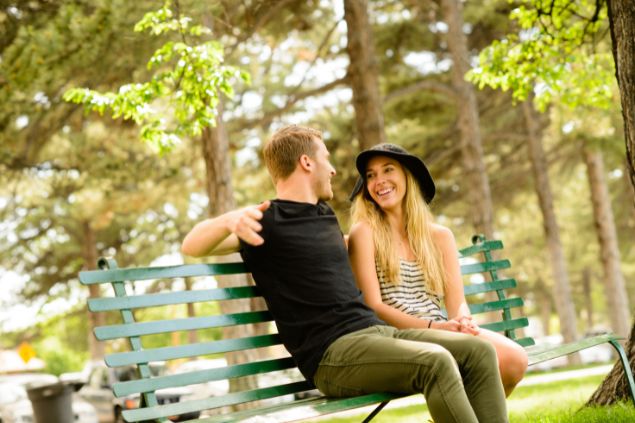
[295,250]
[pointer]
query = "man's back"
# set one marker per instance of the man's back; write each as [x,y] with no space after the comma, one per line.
[303,272]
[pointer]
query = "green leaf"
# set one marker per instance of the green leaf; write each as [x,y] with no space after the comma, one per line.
[186,84]
[556,57]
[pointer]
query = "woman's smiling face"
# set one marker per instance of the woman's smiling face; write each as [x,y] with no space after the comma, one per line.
[385,181]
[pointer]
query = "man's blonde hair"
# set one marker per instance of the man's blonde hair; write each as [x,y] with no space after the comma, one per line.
[418,227]
[286,146]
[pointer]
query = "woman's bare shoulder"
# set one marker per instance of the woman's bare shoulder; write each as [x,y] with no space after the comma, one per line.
[361,228]
[442,233]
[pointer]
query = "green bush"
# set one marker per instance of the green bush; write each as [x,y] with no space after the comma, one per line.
[60,359]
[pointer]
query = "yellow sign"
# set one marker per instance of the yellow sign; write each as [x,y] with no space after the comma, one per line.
[26,352]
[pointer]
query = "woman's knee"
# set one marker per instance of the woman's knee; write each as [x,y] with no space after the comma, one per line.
[514,363]
[484,348]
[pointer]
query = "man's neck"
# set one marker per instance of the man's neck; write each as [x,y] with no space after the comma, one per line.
[295,190]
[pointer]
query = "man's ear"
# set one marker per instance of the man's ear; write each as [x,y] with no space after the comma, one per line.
[306,163]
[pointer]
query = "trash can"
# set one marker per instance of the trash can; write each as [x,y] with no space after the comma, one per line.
[52,403]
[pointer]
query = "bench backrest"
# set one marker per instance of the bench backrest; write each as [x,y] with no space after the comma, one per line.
[482,281]
[132,297]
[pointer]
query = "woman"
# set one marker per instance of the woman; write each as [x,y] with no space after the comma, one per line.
[404,262]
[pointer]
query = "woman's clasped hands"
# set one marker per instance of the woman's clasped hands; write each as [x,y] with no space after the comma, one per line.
[463,324]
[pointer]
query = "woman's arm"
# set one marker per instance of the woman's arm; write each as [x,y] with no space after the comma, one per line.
[361,253]
[455,302]
[221,234]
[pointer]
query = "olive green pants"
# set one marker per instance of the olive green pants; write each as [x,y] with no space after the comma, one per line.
[457,373]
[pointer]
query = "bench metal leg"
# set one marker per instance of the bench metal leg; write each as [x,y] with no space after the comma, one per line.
[375,412]
[627,367]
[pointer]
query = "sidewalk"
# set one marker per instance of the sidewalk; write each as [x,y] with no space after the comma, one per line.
[568,374]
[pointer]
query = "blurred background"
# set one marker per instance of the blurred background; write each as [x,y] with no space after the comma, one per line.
[548,177]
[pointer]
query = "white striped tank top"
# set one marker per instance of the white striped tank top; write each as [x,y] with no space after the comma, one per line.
[410,295]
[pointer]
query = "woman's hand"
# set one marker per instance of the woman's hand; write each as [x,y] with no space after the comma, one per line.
[463,324]
[468,325]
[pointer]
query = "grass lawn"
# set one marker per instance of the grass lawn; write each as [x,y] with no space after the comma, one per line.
[555,402]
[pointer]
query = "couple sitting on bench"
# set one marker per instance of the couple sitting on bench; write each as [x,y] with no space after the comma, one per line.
[391,336]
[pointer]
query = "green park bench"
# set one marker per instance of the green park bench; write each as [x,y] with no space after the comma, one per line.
[129,297]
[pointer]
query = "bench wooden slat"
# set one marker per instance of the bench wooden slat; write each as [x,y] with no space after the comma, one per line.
[190,323]
[525,342]
[506,324]
[170,298]
[481,247]
[481,288]
[540,353]
[496,305]
[312,407]
[173,409]
[486,266]
[91,277]
[191,350]
[122,389]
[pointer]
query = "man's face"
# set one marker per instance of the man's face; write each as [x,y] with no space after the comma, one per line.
[324,171]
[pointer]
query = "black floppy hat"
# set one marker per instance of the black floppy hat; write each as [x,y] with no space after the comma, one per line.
[413,163]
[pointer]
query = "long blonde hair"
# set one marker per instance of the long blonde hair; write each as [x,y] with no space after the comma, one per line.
[418,227]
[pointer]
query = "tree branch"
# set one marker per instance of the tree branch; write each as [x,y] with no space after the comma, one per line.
[262,20]
[265,119]
[436,87]
[317,56]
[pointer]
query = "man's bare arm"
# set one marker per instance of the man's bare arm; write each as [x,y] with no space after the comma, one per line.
[220,235]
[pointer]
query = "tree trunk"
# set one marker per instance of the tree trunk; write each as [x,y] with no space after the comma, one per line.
[89,252]
[614,387]
[215,144]
[630,188]
[545,300]
[621,18]
[363,74]
[614,285]
[562,286]
[471,146]
[588,298]
[622,23]
[218,182]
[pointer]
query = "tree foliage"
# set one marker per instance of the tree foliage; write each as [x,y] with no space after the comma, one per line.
[47,46]
[120,194]
[557,51]
[188,77]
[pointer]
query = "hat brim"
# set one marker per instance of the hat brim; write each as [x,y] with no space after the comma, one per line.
[414,164]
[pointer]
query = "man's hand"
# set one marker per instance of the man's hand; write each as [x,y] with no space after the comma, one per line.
[222,234]
[245,223]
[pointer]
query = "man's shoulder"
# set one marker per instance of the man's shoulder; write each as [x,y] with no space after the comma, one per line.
[286,209]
